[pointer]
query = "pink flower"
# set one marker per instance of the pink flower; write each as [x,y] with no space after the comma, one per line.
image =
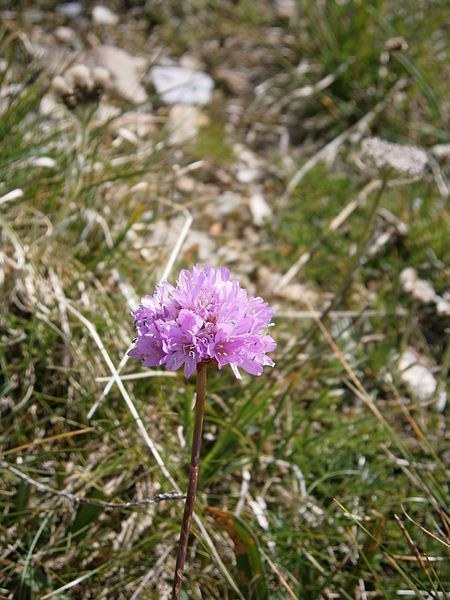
[207,318]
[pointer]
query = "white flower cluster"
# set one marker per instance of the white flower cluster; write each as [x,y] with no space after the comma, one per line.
[405,159]
[80,85]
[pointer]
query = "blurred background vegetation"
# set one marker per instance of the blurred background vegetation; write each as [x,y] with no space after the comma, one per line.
[325,478]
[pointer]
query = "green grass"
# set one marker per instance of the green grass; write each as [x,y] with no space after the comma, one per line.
[356,501]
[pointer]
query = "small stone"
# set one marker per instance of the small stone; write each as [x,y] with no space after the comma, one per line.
[184,122]
[70,9]
[216,229]
[422,291]
[177,85]
[107,112]
[65,35]
[417,376]
[443,306]
[419,289]
[49,107]
[186,184]
[261,211]
[236,81]
[102,15]
[249,168]
[286,9]
[140,123]
[229,202]
[246,174]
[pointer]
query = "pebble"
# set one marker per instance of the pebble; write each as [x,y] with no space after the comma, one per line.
[184,122]
[70,9]
[261,211]
[419,379]
[236,81]
[422,291]
[102,15]
[65,35]
[185,184]
[178,85]
[229,202]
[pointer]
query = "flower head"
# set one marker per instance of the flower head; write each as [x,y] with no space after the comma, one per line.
[405,159]
[80,85]
[207,317]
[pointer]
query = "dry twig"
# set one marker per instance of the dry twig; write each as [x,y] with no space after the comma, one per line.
[41,487]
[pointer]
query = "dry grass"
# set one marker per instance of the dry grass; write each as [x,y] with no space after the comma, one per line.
[325,478]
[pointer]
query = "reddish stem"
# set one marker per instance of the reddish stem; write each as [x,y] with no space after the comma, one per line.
[193,480]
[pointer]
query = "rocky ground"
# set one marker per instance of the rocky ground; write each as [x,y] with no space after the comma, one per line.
[305,147]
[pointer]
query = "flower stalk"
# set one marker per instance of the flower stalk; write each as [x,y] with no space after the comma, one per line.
[193,479]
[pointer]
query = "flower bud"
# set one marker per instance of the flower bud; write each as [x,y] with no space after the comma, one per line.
[81,76]
[101,77]
[60,87]
[404,159]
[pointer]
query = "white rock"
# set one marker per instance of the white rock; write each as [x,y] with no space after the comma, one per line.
[236,81]
[186,184]
[249,168]
[418,378]
[124,71]
[65,35]
[70,9]
[184,122]
[419,289]
[422,291]
[49,107]
[141,124]
[443,306]
[177,85]
[286,9]
[416,375]
[107,112]
[229,202]
[261,211]
[102,15]
[246,174]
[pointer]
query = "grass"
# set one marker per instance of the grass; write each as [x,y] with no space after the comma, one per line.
[337,470]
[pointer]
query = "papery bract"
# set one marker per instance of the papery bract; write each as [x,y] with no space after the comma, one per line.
[207,317]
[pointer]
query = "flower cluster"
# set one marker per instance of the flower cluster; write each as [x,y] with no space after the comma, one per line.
[405,159]
[207,318]
[81,86]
